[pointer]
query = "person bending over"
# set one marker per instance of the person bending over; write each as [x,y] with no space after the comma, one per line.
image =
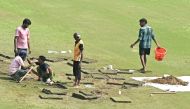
[44,71]
[17,68]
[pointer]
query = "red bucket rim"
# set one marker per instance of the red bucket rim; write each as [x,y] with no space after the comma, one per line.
[161,48]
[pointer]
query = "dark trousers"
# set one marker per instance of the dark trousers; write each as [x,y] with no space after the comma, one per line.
[77,70]
[24,51]
[19,74]
[144,51]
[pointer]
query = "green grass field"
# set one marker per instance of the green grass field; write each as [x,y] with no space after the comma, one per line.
[108,27]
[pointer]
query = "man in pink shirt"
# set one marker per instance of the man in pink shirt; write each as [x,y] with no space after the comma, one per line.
[22,38]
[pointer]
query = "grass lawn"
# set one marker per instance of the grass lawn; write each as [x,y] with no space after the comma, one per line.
[108,27]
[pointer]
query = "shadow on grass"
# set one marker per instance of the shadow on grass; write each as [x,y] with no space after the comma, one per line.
[6,78]
[136,70]
[2,73]
[5,56]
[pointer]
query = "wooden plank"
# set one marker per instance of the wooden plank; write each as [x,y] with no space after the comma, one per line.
[99,76]
[115,82]
[84,71]
[85,83]
[51,97]
[55,59]
[79,96]
[86,93]
[50,60]
[63,83]
[121,99]
[99,92]
[88,71]
[5,56]
[70,63]
[26,74]
[113,77]
[127,86]
[124,72]
[163,93]
[69,74]
[60,85]
[88,76]
[118,78]
[70,77]
[133,82]
[89,61]
[109,72]
[46,91]
[83,97]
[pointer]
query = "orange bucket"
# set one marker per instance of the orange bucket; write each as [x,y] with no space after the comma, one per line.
[160,54]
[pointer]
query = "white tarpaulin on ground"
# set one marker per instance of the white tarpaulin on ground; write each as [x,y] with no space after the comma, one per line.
[166,87]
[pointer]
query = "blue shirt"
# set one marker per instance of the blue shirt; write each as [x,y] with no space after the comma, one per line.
[145,36]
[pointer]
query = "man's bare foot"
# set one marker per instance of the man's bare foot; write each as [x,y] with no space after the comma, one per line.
[78,84]
[39,79]
[74,84]
[142,70]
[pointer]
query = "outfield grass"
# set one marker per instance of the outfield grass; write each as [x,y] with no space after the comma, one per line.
[108,27]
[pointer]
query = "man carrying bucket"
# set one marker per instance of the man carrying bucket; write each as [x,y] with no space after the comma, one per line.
[145,37]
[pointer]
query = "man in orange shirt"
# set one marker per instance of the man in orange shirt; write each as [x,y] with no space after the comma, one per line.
[78,56]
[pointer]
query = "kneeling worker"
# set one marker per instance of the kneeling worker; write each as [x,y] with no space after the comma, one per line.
[17,69]
[44,72]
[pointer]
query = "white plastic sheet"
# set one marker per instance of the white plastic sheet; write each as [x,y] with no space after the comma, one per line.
[166,87]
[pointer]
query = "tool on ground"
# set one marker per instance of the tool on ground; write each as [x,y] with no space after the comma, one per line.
[26,74]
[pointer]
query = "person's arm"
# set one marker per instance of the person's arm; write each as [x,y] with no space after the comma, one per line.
[15,44]
[29,46]
[23,66]
[17,33]
[50,72]
[29,62]
[81,56]
[32,62]
[153,38]
[81,50]
[29,50]
[137,41]
[156,42]
[26,66]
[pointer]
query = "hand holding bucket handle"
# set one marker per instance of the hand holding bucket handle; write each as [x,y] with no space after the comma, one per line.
[158,45]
